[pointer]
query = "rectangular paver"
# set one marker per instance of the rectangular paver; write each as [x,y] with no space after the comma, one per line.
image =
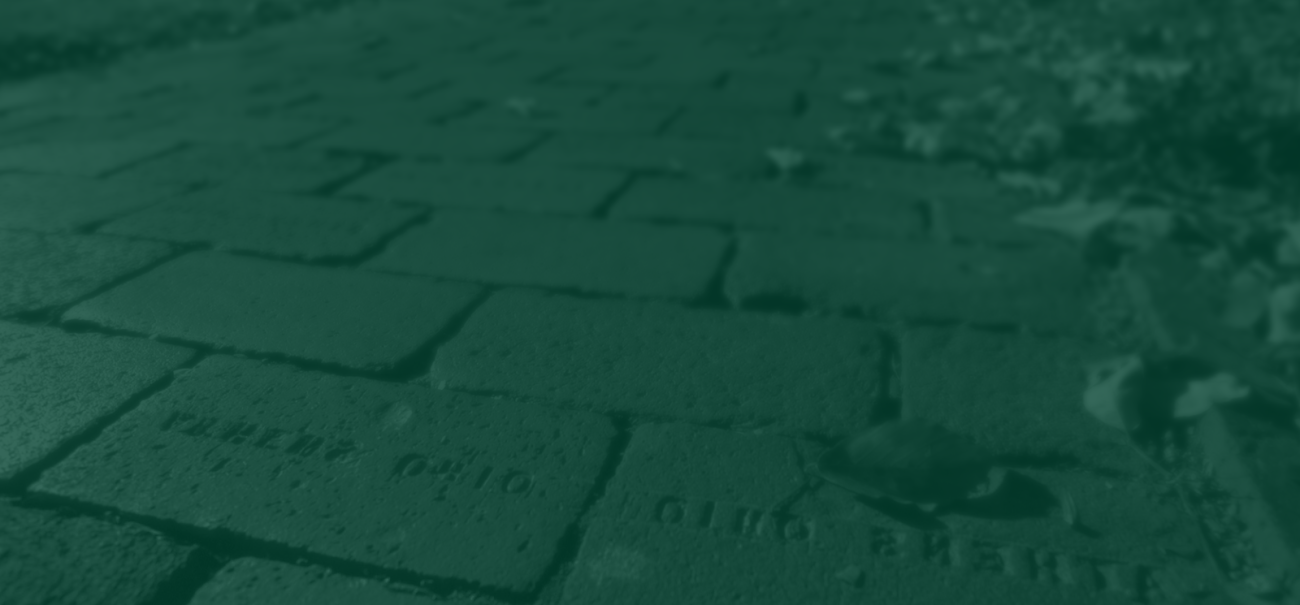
[763,207]
[277,170]
[451,142]
[86,158]
[582,254]
[913,280]
[52,558]
[248,580]
[290,226]
[662,360]
[55,203]
[705,158]
[46,271]
[514,188]
[714,495]
[391,475]
[361,320]
[57,386]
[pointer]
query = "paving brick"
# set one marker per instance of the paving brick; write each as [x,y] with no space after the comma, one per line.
[914,280]
[758,128]
[355,319]
[46,271]
[661,360]
[54,203]
[450,142]
[618,152]
[672,75]
[241,130]
[770,208]
[714,494]
[598,120]
[1014,393]
[586,255]
[248,580]
[57,386]
[289,226]
[391,475]
[274,170]
[514,188]
[50,558]
[86,158]
[375,106]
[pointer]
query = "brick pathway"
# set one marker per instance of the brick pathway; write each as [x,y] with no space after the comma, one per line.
[317,317]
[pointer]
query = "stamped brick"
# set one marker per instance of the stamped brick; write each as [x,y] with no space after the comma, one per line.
[770,208]
[661,360]
[360,320]
[289,226]
[249,580]
[276,170]
[51,203]
[251,131]
[704,158]
[1014,393]
[452,142]
[757,128]
[60,385]
[531,189]
[390,475]
[85,158]
[46,271]
[598,120]
[586,255]
[364,106]
[51,558]
[914,280]
[716,494]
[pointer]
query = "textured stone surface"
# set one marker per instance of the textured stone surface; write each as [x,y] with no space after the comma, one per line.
[278,170]
[81,158]
[43,271]
[245,581]
[288,226]
[489,187]
[60,203]
[57,386]
[46,558]
[661,360]
[393,475]
[361,320]
[591,256]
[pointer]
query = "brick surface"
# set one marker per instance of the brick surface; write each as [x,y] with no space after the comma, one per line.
[56,203]
[913,280]
[661,360]
[402,138]
[49,558]
[289,226]
[260,581]
[712,493]
[355,319]
[57,386]
[397,476]
[530,189]
[598,120]
[43,272]
[87,158]
[591,256]
[770,208]
[275,170]
[706,158]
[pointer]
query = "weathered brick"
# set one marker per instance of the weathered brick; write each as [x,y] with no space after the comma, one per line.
[248,580]
[356,319]
[704,158]
[597,120]
[591,256]
[64,203]
[771,208]
[289,226]
[239,130]
[914,280]
[390,475]
[406,139]
[50,558]
[661,360]
[41,272]
[87,158]
[277,170]
[57,386]
[514,188]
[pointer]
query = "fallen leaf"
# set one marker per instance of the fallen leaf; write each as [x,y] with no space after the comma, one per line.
[1109,394]
[1201,395]
[1077,218]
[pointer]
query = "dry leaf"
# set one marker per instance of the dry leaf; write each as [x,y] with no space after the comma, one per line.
[1109,394]
[1076,218]
[1203,394]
